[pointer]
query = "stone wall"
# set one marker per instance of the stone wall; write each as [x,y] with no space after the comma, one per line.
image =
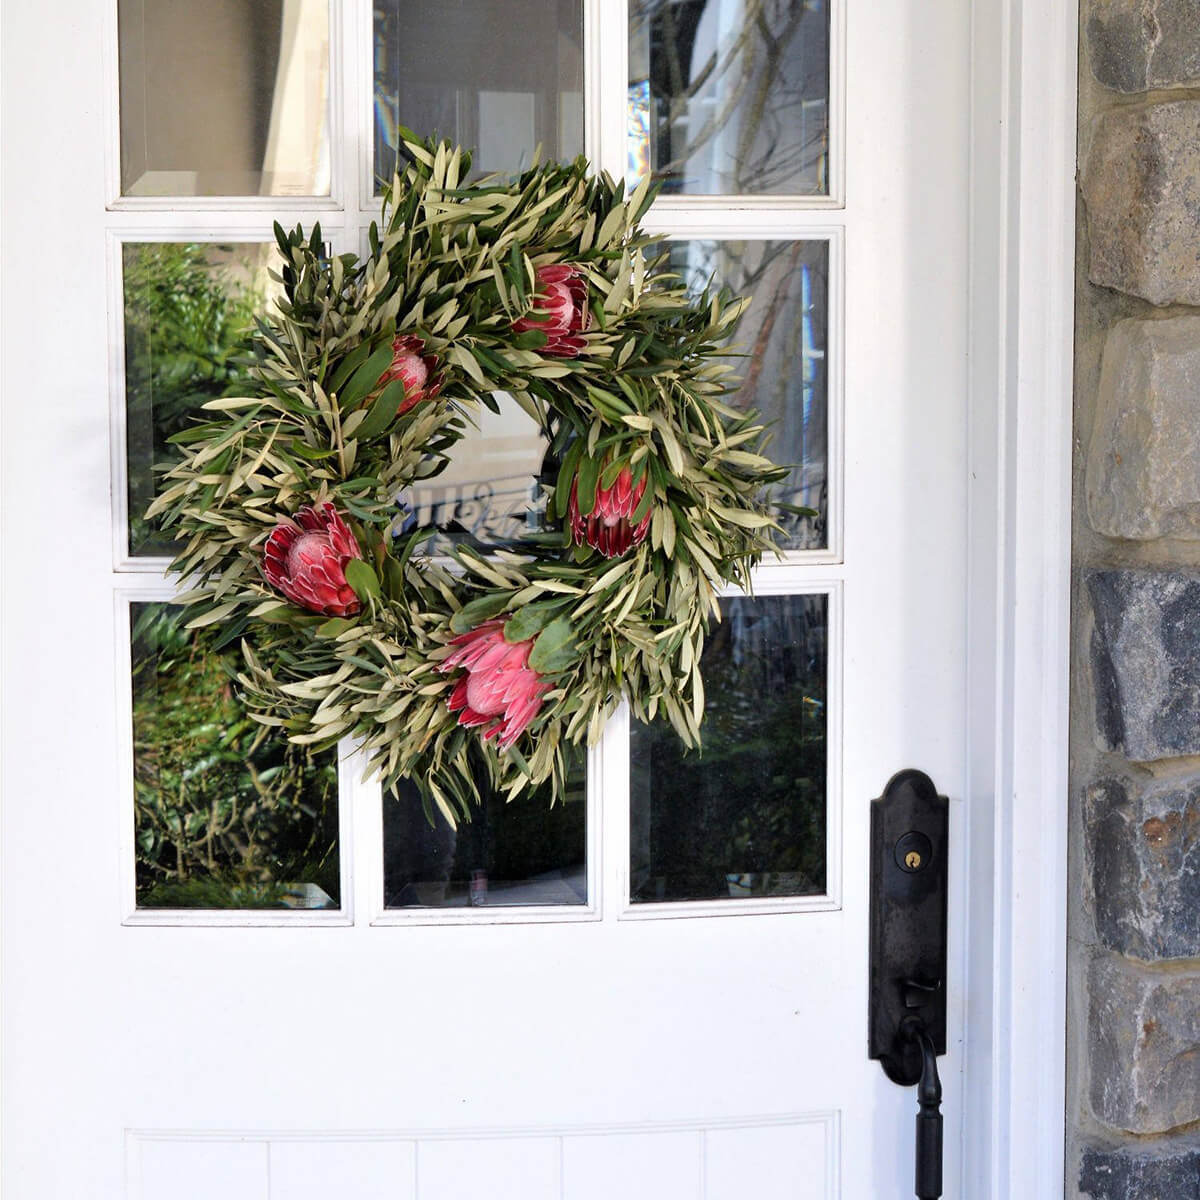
[1134,1022]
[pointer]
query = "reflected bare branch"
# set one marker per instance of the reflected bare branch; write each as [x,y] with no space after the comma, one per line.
[736,93]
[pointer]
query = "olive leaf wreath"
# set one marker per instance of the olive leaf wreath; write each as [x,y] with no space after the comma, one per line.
[480,665]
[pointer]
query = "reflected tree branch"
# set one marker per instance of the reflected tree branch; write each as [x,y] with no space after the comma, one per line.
[745,81]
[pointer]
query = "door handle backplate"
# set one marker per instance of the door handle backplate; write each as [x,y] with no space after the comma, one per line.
[908,922]
[907,1018]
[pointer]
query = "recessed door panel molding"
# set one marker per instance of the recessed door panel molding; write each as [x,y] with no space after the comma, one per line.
[791,1156]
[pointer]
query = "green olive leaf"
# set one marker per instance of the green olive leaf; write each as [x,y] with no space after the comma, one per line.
[588,476]
[364,380]
[335,626]
[531,620]
[481,609]
[349,365]
[566,476]
[307,414]
[362,578]
[555,649]
[383,411]
[609,475]
[393,578]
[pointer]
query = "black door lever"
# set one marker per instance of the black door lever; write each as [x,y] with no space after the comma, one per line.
[907,1019]
[928,1174]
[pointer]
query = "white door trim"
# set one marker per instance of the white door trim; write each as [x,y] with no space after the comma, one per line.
[1022,290]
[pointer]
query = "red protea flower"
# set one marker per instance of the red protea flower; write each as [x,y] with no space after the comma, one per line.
[305,558]
[608,527]
[561,310]
[415,370]
[499,689]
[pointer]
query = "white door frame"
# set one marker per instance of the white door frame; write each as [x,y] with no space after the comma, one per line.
[1023,89]
[1022,132]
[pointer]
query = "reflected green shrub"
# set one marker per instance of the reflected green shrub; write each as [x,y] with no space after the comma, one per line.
[189,319]
[227,812]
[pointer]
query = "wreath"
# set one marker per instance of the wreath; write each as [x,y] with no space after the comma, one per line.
[480,664]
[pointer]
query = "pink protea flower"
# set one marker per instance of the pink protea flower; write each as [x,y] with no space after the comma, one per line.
[417,371]
[499,689]
[305,558]
[608,527]
[561,310]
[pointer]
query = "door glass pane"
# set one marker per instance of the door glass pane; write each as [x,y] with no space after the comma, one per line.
[779,353]
[745,816]
[224,98]
[730,96]
[501,77]
[517,853]
[189,316]
[228,814]
[490,493]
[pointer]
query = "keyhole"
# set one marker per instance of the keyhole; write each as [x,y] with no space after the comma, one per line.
[913,852]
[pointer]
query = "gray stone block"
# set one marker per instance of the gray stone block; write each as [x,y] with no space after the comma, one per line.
[1143,468]
[1141,185]
[1143,1045]
[1145,658]
[1142,849]
[1136,45]
[1141,1172]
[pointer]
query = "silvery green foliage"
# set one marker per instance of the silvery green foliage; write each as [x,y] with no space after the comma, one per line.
[455,265]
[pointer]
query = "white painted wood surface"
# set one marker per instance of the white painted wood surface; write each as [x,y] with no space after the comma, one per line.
[1024,61]
[129,1051]
[787,1157]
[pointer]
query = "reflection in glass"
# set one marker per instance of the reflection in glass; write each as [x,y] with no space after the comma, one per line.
[224,98]
[746,815]
[491,493]
[228,814]
[523,852]
[730,96]
[189,314]
[779,353]
[500,77]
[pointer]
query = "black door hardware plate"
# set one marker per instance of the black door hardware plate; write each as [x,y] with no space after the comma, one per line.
[909,845]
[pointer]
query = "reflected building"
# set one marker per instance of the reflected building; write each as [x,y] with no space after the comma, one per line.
[228,98]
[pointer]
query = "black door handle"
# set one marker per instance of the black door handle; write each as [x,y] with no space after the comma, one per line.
[907,1018]
[928,1173]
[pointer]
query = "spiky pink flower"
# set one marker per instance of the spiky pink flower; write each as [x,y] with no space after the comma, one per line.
[608,527]
[417,371]
[500,689]
[305,558]
[560,310]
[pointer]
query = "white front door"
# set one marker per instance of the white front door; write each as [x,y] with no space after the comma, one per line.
[661,990]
